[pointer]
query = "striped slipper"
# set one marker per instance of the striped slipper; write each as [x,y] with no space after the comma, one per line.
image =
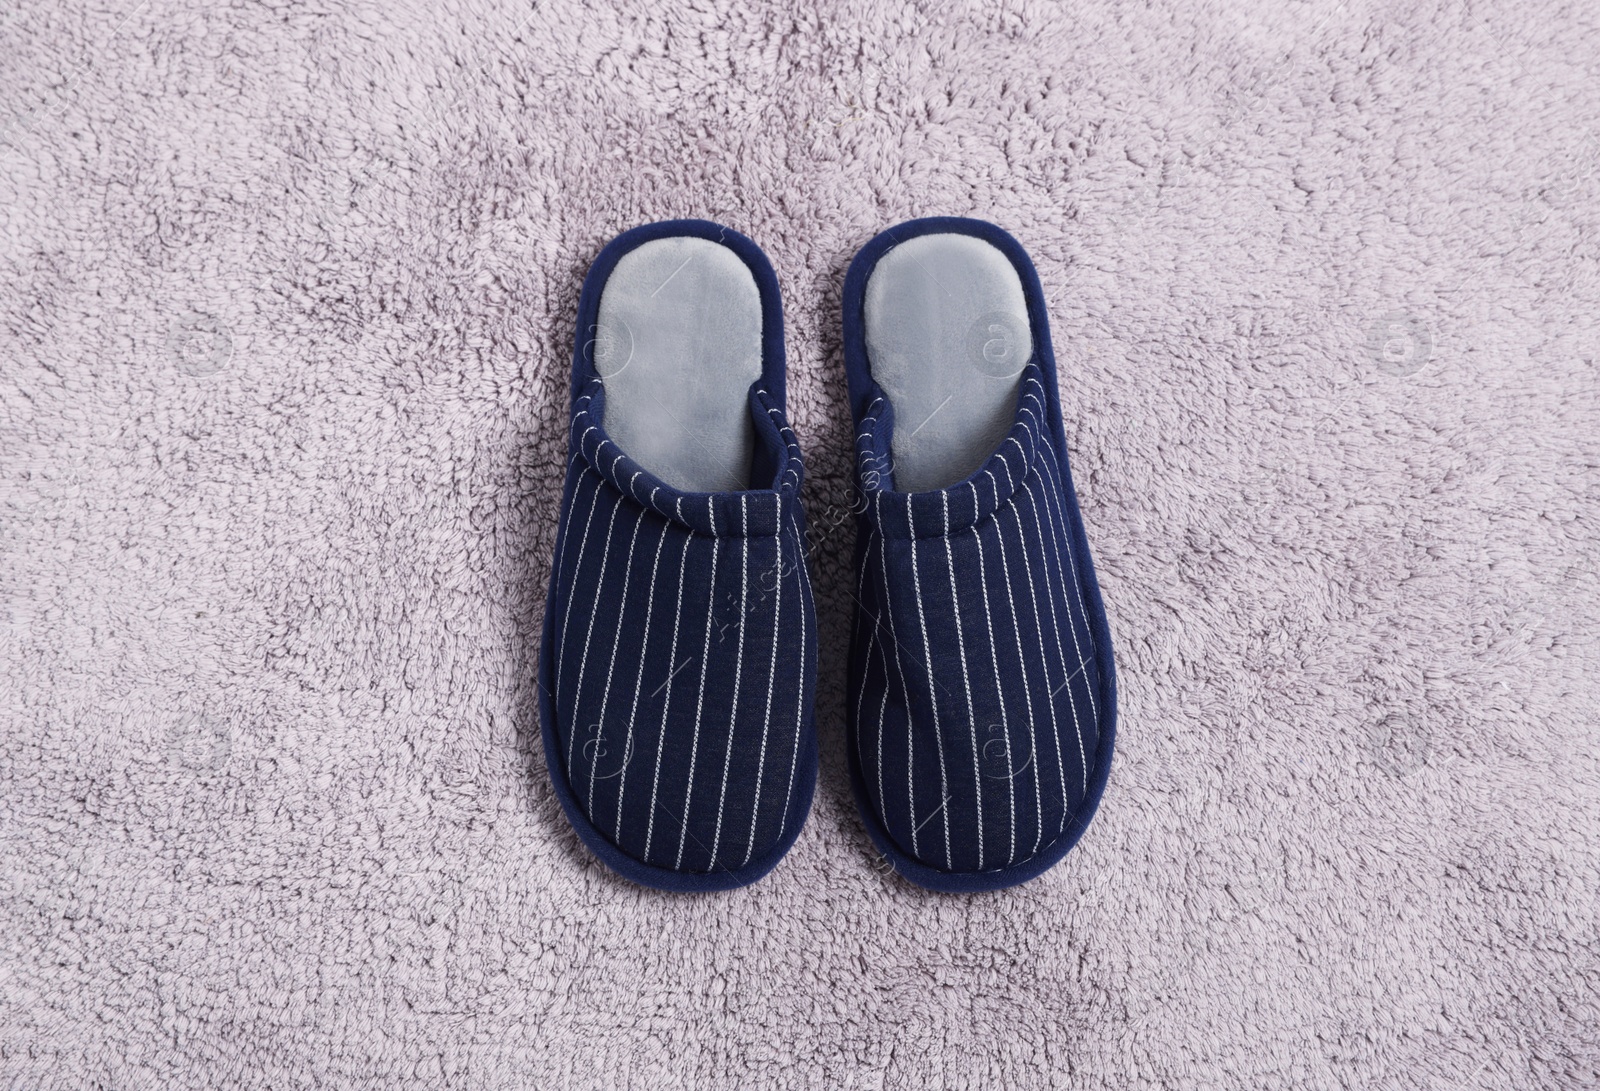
[982,695]
[679,654]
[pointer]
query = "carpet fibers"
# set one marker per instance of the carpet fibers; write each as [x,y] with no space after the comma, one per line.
[286,305]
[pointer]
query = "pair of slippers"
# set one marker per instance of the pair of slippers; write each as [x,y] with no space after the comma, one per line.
[678,666]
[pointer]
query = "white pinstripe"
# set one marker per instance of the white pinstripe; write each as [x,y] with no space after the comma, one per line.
[638,680]
[738,665]
[611,667]
[803,583]
[804,586]
[566,621]
[1033,595]
[666,706]
[961,645]
[786,434]
[933,697]
[772,673]
[1059,481]
[994,659]
[594,610]
[861,695]
[883,651]
[883,707]
[887,614]
[1059,526]
[1022,662]
[705,657]
[1061,651]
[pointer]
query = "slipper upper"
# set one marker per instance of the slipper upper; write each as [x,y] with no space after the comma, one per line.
[981,701]
[685,645]
[976,670]
[679,658]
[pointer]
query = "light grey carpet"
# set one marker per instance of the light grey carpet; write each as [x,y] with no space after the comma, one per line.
[286,302]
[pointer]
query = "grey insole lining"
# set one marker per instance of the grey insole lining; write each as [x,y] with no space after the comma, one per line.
[947,339]
[677,344]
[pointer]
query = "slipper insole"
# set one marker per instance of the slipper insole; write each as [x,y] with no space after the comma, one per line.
[947,339]
[677,344]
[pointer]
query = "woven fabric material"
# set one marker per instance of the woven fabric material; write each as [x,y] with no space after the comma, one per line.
[975,715]
[982,701]
[678,661]
[684,642]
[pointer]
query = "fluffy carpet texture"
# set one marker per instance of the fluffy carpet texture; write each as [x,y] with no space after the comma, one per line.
[285,325]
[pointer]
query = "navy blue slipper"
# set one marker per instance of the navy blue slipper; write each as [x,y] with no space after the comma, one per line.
[982,696]
[679,655]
